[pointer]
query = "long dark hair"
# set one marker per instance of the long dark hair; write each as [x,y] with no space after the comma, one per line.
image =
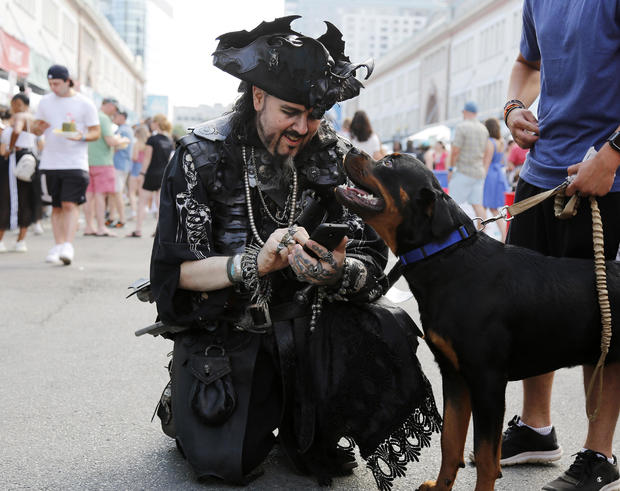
[243,110]
[360,126]
[492,125]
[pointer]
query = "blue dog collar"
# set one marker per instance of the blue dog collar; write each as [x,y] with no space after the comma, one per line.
[423,252]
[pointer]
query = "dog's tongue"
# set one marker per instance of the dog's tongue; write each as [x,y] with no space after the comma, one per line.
[361,196]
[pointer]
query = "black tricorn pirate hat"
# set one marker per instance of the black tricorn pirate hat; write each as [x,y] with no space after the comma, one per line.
[291,66]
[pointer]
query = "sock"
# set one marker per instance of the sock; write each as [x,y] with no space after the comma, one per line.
[545,430]
[611,460]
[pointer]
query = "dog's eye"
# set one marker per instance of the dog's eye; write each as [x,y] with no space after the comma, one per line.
[387,163]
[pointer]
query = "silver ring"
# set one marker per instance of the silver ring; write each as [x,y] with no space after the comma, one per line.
[287,239]
[328,257]
[280,247]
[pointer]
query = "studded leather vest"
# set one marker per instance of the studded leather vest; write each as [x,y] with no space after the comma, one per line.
[218,161]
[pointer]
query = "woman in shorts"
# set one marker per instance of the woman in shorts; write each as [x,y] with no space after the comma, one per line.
[157,152]
[141,134]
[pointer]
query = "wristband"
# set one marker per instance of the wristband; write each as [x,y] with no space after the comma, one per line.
[233,269]
[511,106]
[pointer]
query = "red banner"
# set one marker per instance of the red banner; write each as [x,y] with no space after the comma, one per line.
[14,55]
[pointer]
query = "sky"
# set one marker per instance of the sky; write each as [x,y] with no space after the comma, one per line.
[192,78]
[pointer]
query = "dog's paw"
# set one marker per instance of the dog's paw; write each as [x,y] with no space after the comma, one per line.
[428,485]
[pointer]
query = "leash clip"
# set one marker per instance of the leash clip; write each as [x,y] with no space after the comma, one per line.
[503,214]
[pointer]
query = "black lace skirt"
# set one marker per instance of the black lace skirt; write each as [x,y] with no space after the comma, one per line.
[370,387]
[28,198]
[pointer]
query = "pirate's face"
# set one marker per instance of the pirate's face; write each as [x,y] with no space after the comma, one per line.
[283,127]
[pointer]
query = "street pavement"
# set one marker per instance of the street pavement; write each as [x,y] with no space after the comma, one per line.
[78,389]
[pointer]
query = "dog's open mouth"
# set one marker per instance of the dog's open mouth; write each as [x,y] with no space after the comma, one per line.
[360,194]
[358,198]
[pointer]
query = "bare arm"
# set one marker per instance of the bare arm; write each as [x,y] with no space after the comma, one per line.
[148,154]
[135,151]
[39,127]
[18,126]
[204,275]
[454,155]
[115,140]
[92,134]
[488,156]
[524,85]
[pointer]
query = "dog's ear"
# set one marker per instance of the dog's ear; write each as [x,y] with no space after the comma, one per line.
[434,205]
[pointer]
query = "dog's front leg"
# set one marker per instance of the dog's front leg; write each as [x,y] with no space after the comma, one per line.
[488,405]
[456,414]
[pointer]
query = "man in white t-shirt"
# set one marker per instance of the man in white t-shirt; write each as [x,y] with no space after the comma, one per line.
[64,161]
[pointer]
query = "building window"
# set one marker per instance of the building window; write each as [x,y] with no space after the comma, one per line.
[413,80]
[463,55]
[68,31]
[50,17]
[29,6]
[492,40]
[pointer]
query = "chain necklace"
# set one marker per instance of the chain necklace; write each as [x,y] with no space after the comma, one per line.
[248,199]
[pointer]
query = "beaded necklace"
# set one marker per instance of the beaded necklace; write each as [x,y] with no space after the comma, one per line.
[292,199]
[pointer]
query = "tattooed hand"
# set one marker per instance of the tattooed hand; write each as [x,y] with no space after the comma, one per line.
[274,255]
[324,271]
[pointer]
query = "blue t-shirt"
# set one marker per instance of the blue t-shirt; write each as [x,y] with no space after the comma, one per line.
[578,45]
[122,158]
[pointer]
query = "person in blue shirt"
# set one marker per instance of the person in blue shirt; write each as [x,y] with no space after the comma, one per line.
[570,57]
[122,166]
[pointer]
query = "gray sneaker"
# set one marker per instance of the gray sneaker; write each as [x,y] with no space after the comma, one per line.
[523,445]
[589,472]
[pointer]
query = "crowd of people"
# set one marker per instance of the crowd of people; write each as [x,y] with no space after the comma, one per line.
[478,167]
[68,153]
[239,198]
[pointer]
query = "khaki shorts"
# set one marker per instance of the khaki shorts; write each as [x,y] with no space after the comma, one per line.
[121,180]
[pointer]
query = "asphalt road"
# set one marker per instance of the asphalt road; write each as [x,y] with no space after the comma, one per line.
[78,388]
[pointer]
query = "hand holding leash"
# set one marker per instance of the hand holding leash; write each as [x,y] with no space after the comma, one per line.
[594,177]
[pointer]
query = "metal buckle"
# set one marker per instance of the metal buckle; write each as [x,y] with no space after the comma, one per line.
[261,320]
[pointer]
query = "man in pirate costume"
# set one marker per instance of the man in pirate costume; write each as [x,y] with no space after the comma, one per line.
[274,338]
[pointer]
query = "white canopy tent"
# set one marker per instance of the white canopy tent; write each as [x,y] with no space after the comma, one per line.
[431,135]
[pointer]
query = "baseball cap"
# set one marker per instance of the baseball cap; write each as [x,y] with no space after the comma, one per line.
[471,107]
[58,71]
[110,100]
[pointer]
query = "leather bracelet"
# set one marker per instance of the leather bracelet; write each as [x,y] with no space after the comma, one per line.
[510,106]
[514,101]
[506,114]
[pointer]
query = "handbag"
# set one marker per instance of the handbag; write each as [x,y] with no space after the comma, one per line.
[213,397]
[25,167]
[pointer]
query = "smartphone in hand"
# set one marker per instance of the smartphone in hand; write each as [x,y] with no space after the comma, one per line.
[329,235]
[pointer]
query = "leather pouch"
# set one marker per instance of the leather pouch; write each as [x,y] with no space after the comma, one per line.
[213,397]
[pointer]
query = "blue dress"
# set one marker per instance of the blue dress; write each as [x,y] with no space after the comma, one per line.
[495,184]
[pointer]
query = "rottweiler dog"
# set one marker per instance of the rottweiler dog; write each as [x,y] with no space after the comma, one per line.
[480,302]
